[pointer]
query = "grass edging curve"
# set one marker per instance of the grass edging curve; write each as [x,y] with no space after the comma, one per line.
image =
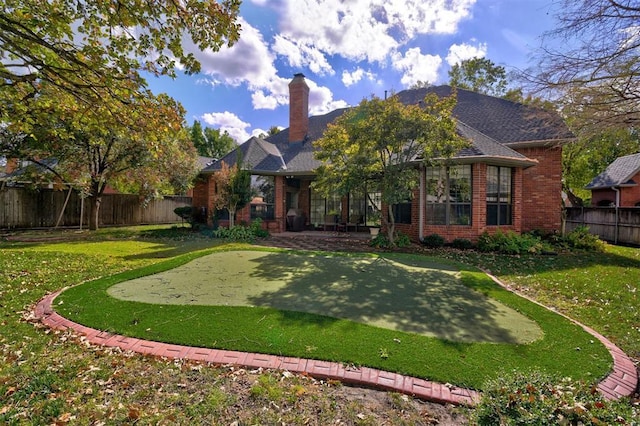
[565,349]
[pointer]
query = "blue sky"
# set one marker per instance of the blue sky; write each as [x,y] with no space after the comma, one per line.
[348,50]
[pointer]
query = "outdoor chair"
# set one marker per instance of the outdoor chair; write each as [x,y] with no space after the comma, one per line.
[330,221]
[355,220]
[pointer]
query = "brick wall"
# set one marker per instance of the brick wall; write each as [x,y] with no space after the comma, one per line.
[603,195]
[542,190]
[630,195]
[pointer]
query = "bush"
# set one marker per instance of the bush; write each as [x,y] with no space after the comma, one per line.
[402,240]
[186,213]
[462,244]
[433,241]
[511,243]
[581,239]
[242,233]
[536,398]
[381,241]
[256,229]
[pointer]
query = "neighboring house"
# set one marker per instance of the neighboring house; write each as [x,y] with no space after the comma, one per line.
[618,185]
[509,179]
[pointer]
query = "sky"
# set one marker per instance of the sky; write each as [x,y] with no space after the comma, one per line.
[348,50]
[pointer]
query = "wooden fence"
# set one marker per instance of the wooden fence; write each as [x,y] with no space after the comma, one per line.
[617,225]
[25,208]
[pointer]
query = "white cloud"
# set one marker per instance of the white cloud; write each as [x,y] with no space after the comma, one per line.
[229,122]
[366,29]
[416,66]
[351,78]
[248,61]
[321,99]
[300,56]
[460,52]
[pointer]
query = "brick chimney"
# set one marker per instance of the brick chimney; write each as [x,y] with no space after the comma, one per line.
[298,108]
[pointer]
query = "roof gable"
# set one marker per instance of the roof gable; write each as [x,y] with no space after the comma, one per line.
[618,173]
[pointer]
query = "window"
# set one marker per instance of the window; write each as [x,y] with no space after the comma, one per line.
[374,205]
[263,201]
[448,195]
[499,184]
[321,206]
[402,212]
[357,207]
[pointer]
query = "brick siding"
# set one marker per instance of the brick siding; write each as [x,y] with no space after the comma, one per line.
[542,190]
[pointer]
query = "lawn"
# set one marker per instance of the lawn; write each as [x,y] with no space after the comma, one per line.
[390,312]
[48,377]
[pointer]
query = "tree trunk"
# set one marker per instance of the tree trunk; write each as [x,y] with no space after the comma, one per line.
[391,225]
[573,198]
[94,212]
[232,216]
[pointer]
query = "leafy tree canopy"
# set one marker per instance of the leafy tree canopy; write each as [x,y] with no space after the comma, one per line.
[479,75]
[141,147]
[210,142]
[94,49]
[379,143]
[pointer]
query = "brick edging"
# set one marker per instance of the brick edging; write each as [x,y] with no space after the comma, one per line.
[622,381]
[363,376]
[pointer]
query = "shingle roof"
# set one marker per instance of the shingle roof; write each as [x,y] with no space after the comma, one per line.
[505,121]
[618,173]
[491,124]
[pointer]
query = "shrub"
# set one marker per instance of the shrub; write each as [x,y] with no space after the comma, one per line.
[433,241]
[256,229]
[186,213]
[242,233]
[462,244]
[379,241]
[581,239]
[402,240]
[511,243]
[536,398]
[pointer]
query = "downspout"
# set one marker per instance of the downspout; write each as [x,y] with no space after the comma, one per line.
[421,206]
[615,237]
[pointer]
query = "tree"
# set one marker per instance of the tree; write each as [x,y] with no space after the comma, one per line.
[273,130]
[479,75]
[590,62]
[233,188]
[210,142]
[142,147]
[94,50]
[379,143]
[589,156]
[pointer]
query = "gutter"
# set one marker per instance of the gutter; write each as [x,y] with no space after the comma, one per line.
[617,225]
[421,206]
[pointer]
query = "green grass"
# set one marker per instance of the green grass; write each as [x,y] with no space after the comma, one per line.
[601,290]
[565,349]
[48,377]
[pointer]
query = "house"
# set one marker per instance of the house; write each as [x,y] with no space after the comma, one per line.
[618,185]
[509,178]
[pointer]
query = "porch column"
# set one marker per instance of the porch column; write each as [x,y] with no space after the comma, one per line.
[280,214]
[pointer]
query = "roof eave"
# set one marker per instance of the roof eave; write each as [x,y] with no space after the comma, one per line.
[617,185]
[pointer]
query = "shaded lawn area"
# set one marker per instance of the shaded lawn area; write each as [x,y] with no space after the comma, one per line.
[411,294]
[321,307]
